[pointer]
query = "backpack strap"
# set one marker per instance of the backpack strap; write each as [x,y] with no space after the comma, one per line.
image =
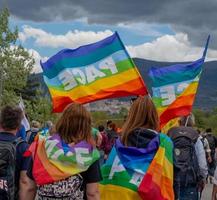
[18,141]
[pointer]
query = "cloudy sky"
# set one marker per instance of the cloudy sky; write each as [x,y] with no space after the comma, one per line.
[163,30]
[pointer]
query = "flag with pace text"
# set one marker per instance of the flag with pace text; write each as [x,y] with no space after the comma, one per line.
[92,72]
[174,88]
[139,173]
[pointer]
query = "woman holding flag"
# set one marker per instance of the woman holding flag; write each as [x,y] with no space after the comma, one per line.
[140,163]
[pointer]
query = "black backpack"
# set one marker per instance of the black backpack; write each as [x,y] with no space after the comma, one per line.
[186,166]
[8,188]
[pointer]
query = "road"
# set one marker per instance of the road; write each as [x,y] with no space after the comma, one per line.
[207,193]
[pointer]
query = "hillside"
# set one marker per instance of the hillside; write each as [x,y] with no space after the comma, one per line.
[207,93]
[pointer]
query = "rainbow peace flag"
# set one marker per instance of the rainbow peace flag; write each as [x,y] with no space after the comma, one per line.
[139,173]
[174,88]
[54,160]
[96,71]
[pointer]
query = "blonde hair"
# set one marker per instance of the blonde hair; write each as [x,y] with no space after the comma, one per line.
[35,124]
[75,124]
[142,114]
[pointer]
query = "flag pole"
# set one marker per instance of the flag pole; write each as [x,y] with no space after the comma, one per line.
[186,123]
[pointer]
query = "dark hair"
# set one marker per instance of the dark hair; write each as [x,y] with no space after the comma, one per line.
[75,124]
[101,128]
[133,99]
[108,122]
[208,130]
[10,118]
[142,114]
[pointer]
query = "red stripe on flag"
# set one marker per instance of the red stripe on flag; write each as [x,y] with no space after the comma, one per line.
[39,172]
[130,88]
[171,113]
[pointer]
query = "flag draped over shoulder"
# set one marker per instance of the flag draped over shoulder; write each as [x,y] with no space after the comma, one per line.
[53,160]
[92,72]
[174,88]
[139,173]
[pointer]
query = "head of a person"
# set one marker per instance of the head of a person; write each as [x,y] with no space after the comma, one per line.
[187,120]
[112,127]
[108,123]
[101,128]
[10,119]
[35,124]
[142,114]
[74,125]
[208,130]
[48,124]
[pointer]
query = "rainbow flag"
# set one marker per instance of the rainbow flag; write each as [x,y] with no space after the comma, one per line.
[54,160]
[139,173]
[174,88]
[92,72]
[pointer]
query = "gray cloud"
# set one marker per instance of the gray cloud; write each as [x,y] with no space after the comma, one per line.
[197,18]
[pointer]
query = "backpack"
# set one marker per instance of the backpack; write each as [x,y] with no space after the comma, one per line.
[67,189]
[8,187]
[32,137]
[186,166]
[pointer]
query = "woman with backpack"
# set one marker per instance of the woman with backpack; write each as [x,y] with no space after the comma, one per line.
[139,165]
[65,165]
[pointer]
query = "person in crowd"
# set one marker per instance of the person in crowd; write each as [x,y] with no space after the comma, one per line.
[212,140]
[142,123]
[13,165]
[205,143]
[70,168]
[207,149]
[190,166]
[133,153]
[35,128]
[105,146]
[108,124]
[47,129]
[112,133]
[96,136]
[21,132]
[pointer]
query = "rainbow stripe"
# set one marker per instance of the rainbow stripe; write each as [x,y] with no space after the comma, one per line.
[53,160]
[174,88]
[139,173]
[92,72]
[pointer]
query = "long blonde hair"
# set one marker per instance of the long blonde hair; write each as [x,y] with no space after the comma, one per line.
[142,114]
[75,124]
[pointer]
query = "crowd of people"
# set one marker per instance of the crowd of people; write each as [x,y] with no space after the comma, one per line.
[72,143]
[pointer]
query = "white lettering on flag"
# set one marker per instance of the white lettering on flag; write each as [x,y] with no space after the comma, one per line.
[167,94]
[67,79]
[93,73]
[108,64]
[116,167]
[80,155]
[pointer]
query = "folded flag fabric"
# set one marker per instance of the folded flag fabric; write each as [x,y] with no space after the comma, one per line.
[139,173]
[54,160]
[92,72]
[174,88]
